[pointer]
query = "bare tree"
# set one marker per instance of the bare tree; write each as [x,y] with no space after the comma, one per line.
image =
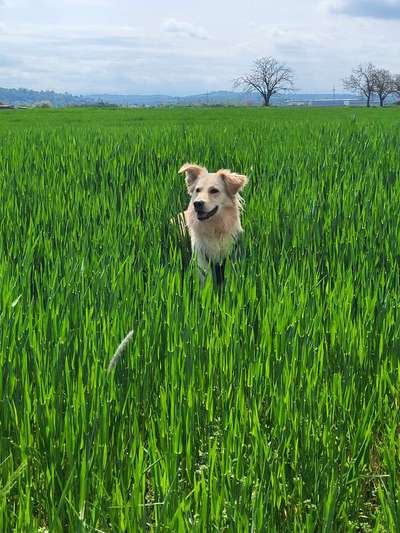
[268,77]
[396,85]
[361,81]
[384,84]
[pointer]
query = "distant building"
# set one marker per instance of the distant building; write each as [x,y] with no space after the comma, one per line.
[325,102]
[7,106]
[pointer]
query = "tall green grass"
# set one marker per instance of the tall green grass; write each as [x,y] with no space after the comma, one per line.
[271,407]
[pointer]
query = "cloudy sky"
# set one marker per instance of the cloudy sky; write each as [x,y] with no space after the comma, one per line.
[185,47]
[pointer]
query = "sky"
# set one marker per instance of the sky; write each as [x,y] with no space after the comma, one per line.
[179,47]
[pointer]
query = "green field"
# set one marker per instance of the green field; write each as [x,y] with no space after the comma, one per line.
[274,406]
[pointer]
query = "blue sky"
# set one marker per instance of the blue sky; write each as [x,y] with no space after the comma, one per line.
[181,47]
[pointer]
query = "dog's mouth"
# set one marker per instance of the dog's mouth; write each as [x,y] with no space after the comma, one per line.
[205,215]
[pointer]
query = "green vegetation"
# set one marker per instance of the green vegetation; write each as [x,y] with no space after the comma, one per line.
[128,118]
[271,407]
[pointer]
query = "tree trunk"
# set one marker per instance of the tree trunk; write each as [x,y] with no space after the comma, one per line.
[369,100]
[381,100]
[266,98]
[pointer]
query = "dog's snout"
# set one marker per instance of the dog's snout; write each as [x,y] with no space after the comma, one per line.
[199,206]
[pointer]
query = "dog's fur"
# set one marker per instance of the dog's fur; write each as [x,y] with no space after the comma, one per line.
[213,215]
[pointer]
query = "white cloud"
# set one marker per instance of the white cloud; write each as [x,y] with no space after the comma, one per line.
[112,59]
[175,47]
[184,29]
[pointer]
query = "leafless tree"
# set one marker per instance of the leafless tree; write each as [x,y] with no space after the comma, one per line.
[384,84]
[361,81]
[396,85]
[268,77]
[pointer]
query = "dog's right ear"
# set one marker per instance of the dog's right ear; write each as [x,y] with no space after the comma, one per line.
[192,173]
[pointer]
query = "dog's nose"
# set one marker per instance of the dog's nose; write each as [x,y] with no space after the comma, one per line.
[199,206]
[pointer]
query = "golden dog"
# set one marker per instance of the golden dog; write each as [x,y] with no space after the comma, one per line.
[213,215]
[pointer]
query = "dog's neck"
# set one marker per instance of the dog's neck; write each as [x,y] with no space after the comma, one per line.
[213,239]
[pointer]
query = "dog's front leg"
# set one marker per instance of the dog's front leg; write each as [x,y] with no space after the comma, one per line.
[219,269]
[202,267]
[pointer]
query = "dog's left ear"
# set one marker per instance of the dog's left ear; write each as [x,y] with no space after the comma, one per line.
[234,182]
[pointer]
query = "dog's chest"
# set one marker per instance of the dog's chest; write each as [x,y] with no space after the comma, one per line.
[213,247]
[213,240]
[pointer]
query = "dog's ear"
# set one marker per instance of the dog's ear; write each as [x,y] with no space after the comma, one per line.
[234,182]
[192,173]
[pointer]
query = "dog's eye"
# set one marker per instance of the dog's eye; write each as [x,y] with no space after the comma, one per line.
[198,189]
[214,191]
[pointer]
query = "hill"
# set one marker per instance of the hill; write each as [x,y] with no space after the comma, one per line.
[216,98]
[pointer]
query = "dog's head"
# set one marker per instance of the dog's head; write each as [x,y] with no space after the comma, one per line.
[212,192]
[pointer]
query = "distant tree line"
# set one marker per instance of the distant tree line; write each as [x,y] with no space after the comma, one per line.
[269,77]
[30,97]
[371,81]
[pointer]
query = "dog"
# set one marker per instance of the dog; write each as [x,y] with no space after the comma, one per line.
[212,220]
[213,216]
